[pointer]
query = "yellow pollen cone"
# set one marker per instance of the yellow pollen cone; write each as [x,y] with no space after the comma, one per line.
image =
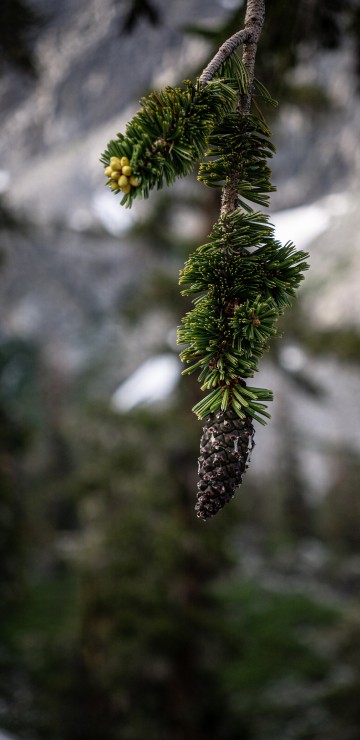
[115,163]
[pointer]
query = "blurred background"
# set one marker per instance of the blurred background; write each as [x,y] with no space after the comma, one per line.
[124,617]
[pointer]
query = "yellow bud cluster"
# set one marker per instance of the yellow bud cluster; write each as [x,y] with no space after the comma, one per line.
[121,175]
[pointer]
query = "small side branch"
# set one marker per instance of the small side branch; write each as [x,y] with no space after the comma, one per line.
[249,36]
[240,37]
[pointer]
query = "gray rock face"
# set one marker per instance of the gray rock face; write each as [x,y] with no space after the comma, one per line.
[89,72]
[64,277]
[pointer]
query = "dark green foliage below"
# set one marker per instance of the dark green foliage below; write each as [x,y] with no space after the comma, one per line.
[344,343]
[16,367]
[13,440]
[275,627]
[134,622]
[148,630]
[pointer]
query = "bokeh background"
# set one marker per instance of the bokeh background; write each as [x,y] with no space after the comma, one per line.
[122,616]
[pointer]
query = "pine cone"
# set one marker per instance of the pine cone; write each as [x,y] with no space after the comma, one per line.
[225,449]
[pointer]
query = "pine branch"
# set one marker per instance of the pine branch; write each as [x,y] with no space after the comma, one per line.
[254,19]
[242,279]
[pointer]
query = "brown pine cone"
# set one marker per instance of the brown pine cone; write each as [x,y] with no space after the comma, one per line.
[225,449]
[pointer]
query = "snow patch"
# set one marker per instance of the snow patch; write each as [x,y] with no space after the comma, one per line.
[151,383]
[114,219]
[304,224]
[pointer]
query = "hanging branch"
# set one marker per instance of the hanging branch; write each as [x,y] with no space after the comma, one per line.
[228,433]
[242,279]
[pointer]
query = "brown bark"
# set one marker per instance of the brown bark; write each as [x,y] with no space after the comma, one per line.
[249,36]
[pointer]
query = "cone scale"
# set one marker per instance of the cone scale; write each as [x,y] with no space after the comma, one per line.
[225,448]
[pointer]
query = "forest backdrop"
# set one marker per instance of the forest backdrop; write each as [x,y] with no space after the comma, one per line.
[123,616]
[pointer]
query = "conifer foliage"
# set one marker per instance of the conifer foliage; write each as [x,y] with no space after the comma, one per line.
[168,137]
[242,279]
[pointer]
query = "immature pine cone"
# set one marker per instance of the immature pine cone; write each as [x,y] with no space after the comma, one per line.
[225,449]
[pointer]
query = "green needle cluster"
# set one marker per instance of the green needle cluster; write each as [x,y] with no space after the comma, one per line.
[168,137]
[242,279]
